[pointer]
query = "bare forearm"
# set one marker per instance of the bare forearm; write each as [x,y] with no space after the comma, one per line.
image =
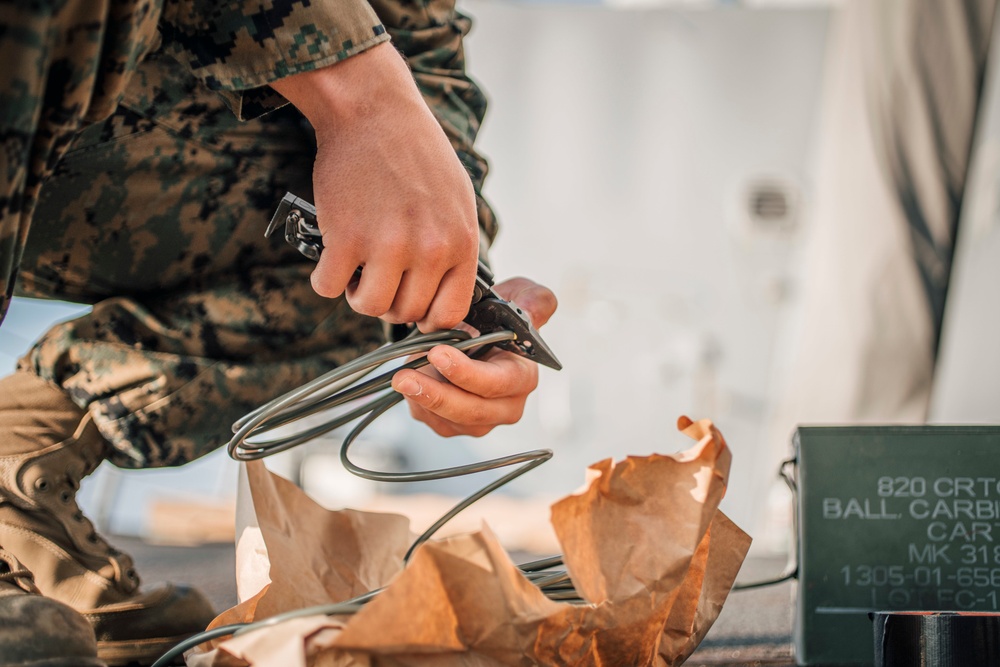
[338,96]
[391,194]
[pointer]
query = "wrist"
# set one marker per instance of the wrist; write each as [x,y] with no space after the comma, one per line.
[339,94]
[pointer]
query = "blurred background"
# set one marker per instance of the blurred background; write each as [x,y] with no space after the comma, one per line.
[710,190]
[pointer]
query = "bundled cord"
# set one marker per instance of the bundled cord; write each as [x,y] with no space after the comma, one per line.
[253,439]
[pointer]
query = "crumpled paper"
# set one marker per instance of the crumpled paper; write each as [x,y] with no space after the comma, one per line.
[643,541]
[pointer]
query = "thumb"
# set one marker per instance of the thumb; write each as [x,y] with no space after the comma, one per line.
[537,300]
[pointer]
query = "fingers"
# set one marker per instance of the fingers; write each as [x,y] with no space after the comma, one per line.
[335,269]
[539,301]
[432,297]
[476,396]
[374,293]
[451,302]
[402,295]
[500,375]
[456,395]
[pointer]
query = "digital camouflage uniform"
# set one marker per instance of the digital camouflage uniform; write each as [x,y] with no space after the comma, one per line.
[67,64]
[153,210]
[156,217]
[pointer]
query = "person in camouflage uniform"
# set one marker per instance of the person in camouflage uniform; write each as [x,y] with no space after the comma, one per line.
[160,171]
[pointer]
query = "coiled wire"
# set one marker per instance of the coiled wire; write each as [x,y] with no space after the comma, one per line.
[344,385]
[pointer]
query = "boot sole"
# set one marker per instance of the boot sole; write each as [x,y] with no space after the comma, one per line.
[142,651]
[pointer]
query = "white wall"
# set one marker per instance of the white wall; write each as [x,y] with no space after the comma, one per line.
[622,143]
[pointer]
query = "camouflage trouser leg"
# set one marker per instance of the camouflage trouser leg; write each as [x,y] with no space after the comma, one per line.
[197,318]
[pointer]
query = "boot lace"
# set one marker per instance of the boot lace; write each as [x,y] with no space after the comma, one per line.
[59,483]
[15,574]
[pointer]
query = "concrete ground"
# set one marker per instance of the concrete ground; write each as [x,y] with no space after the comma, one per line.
[754,629]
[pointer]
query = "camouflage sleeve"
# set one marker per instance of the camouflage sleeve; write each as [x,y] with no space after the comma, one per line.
[237,49]
[429,34]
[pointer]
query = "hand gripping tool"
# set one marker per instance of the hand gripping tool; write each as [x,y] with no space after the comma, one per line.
[488,311]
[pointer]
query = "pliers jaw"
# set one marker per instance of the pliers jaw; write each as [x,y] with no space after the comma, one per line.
[493,313]
[488,312]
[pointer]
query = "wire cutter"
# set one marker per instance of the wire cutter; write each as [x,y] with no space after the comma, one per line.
[488,311]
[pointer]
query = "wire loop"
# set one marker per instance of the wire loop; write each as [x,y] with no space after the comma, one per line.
[253,439]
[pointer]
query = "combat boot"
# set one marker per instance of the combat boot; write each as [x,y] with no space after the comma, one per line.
[47,445]
[36,631]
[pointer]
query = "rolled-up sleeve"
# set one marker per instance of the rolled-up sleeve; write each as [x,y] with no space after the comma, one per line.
[238,48]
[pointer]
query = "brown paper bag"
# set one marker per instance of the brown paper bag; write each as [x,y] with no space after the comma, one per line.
[644,543]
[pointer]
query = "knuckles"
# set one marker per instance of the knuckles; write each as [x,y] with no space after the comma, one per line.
[406,314]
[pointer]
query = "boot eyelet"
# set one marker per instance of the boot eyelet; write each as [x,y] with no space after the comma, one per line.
[66,496]
[132,574]
[92,538]
[42,484]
